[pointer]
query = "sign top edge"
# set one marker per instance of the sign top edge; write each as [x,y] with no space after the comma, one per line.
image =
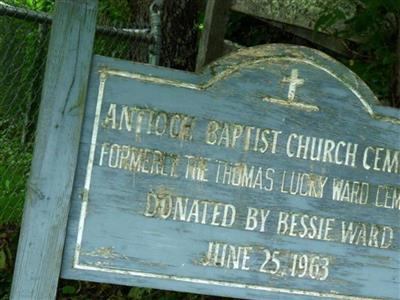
[251,57]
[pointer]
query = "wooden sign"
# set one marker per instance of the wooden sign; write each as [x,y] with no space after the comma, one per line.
[272,174]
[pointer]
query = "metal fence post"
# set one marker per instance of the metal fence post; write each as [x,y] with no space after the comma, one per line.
[155,31]
[49,188]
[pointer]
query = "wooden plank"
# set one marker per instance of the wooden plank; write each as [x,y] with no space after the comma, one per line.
[49,188]
[302,13]
[325,40]
[211,44]
[279,131]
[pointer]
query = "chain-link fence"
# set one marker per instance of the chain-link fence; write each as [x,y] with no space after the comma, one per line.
[24,36]
[23,48]
[134,30]
[126,30]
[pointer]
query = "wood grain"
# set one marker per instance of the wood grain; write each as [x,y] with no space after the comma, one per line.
[211,44]
[47,201]
[111,239]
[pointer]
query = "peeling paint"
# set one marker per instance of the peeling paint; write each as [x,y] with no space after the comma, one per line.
[253,57]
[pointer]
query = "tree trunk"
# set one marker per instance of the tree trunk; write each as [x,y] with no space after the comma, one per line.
[179,22]
[140,16]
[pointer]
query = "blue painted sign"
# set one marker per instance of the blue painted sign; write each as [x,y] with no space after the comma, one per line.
[273,174]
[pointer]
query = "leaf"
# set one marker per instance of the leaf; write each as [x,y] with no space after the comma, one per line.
[323,22]
[329,19]
[134,293]
[3,259]
[30,3]
[68,290]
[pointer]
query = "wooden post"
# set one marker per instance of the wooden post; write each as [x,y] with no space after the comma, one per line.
[211,44]
[49,188]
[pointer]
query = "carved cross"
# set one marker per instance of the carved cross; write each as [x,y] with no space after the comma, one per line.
[294,81]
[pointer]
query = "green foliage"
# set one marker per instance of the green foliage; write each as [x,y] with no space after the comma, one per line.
[8,244]
[327,20]
[79,290]
[118,14]
[374,26]
[14,167]
[68,290]
[115,11]
[22,56]
[3,260]
[38,5]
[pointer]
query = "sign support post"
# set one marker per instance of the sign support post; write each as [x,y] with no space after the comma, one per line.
[49,188]
[211,44]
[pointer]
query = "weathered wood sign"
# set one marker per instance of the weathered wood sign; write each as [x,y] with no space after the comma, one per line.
[272,174]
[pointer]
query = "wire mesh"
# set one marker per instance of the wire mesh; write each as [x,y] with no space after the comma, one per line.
[117,14]
[23,48]
[24,38]
[123,31]
[25,25]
